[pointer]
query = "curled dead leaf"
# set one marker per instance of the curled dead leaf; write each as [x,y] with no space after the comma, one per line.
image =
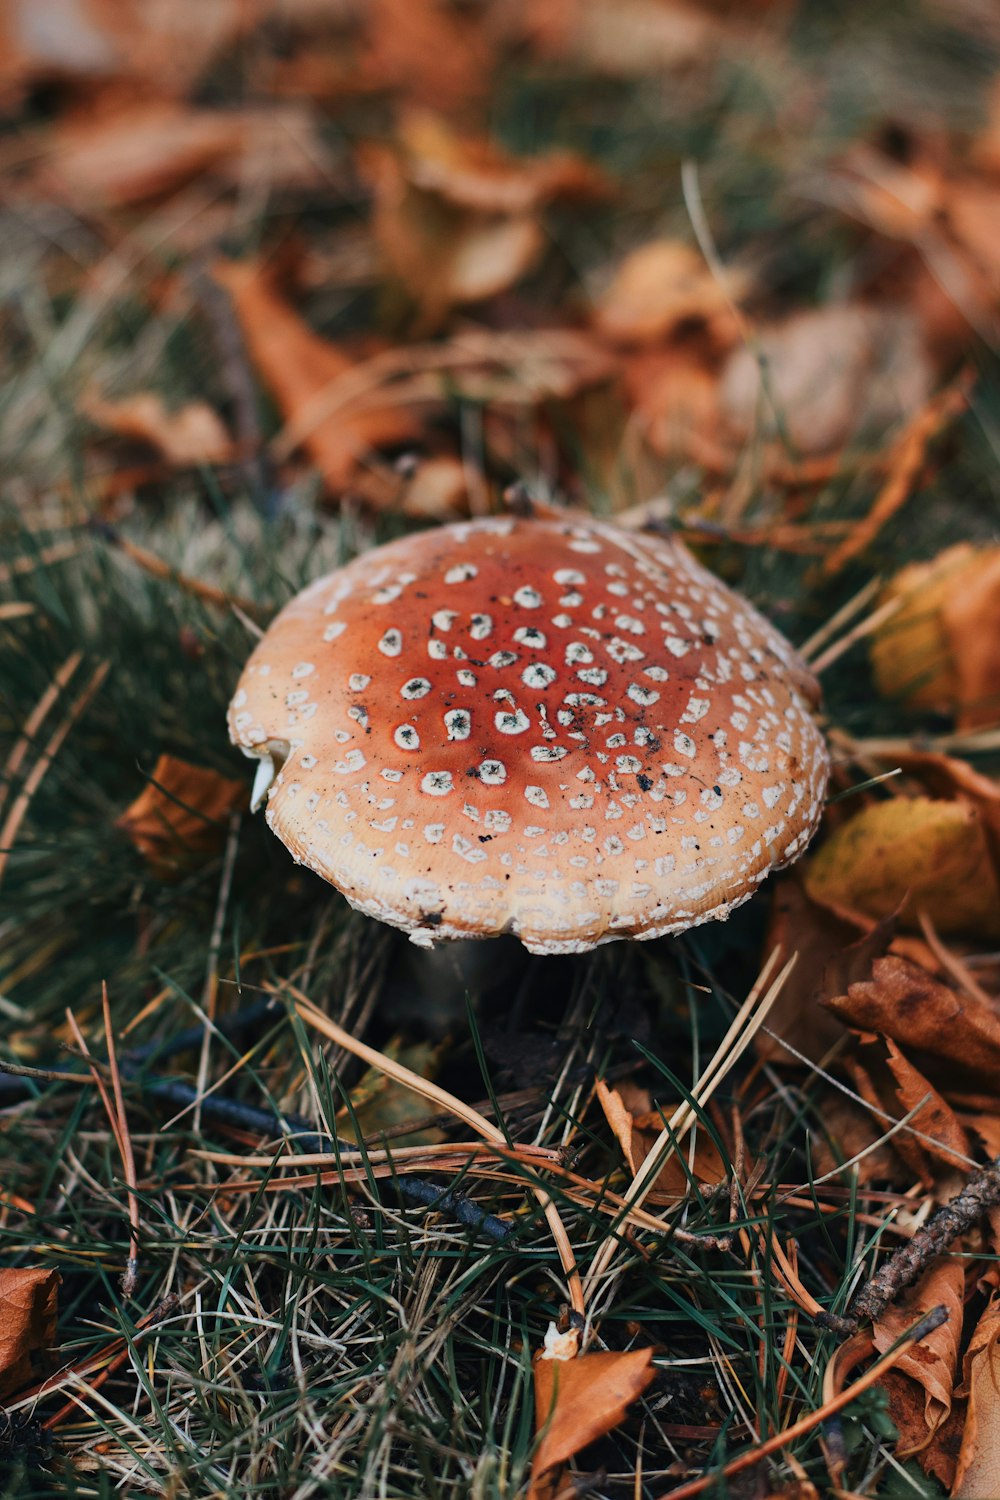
[921,1384]
[921,1014]
[193,434]
[908,855]
[661,286]
[27,1321]
[978,1473]
[637,1125]
[456,218]
[180,815]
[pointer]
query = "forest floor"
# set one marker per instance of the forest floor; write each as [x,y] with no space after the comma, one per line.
[282,281]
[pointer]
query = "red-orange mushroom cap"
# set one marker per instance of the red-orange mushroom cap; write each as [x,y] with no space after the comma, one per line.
[542,725]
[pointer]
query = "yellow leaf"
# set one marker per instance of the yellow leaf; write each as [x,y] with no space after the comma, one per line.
[908,855]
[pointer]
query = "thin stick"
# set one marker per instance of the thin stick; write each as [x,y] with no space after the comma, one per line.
[920,1330]
[16,816]
[155,566]
[477,1122]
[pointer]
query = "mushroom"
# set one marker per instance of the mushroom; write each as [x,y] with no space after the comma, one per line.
[539,724]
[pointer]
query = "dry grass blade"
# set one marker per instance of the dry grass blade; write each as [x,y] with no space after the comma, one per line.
[33,723]
[814,1419]
[749,1018]
[462,1111]
[34,778]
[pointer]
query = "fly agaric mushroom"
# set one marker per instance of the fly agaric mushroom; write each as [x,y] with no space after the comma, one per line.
[538,724]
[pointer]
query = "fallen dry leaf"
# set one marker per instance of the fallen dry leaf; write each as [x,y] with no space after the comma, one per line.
[940,649]
[835,375]
[629,38]
[193,434]
[662,286]
[920,1387]
[908,855]
[146,151]
[831,954]
[578,1400]
[27,1321]
[457,219]
[918,1012]
[893,1085]
[637,1126]
[297,366]
[181,813]
[978,1473]
[166,46]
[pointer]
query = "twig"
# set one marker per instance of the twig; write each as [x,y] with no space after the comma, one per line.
[909,1261]
[249,1117]
[155,566]
[44,1075]
[920,1330]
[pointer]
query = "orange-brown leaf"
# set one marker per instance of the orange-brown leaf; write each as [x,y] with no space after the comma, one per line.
[193,434]
[906,1003]
[180,814]
[660,286]
[978,1473]
[579,1400]
[27,1321]
[297,366]
[931,1365]
[940,649]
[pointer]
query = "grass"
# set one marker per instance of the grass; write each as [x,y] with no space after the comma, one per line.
[342,1343]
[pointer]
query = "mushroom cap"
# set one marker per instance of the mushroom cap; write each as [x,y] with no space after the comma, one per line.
[537,724]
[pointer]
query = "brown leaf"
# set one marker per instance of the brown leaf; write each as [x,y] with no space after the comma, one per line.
[629,38]
[297,365]
[893,1084]
[27,1321]
[978,1473]
[456,219]
[579,1400]
[831,953]
[931,1365]
[903,1002]
[940,649]
[661,286]
[907,855]
[835,374]
[181,813]
[637,1126]
[146,151]
[193,434]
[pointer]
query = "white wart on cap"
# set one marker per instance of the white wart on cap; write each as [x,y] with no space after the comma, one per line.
[541,725]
